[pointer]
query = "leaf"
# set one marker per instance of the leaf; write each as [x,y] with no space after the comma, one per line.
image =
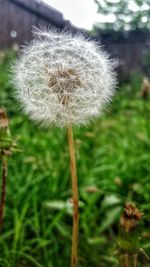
[60,205]
[97,240]
[110,200]
[110,218]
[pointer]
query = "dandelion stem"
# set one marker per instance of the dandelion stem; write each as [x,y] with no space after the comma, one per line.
[3,192]
[75,196]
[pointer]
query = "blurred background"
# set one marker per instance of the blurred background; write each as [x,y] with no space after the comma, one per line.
[121,26]
[113,153]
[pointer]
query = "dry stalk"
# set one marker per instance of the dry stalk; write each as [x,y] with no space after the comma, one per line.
[4,150]
[7,146]
[3,191]
[75,197]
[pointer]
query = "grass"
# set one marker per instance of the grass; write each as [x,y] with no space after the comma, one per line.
[113,166]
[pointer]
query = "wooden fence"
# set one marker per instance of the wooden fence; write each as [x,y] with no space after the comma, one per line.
[131,51]
[18,16]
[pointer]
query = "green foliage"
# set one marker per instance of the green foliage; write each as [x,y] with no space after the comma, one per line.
[129,14]
[113,165]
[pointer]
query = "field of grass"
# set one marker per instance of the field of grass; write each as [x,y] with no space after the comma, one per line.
[113,159]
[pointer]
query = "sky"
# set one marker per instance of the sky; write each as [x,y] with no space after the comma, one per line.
[83,13]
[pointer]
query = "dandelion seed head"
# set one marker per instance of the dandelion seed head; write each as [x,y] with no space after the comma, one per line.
[61,78]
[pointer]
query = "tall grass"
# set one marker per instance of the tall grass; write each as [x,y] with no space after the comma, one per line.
[114,165]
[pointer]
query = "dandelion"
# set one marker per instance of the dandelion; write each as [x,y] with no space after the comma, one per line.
[64,80]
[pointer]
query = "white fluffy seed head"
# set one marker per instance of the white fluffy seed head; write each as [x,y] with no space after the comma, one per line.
[61,79]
